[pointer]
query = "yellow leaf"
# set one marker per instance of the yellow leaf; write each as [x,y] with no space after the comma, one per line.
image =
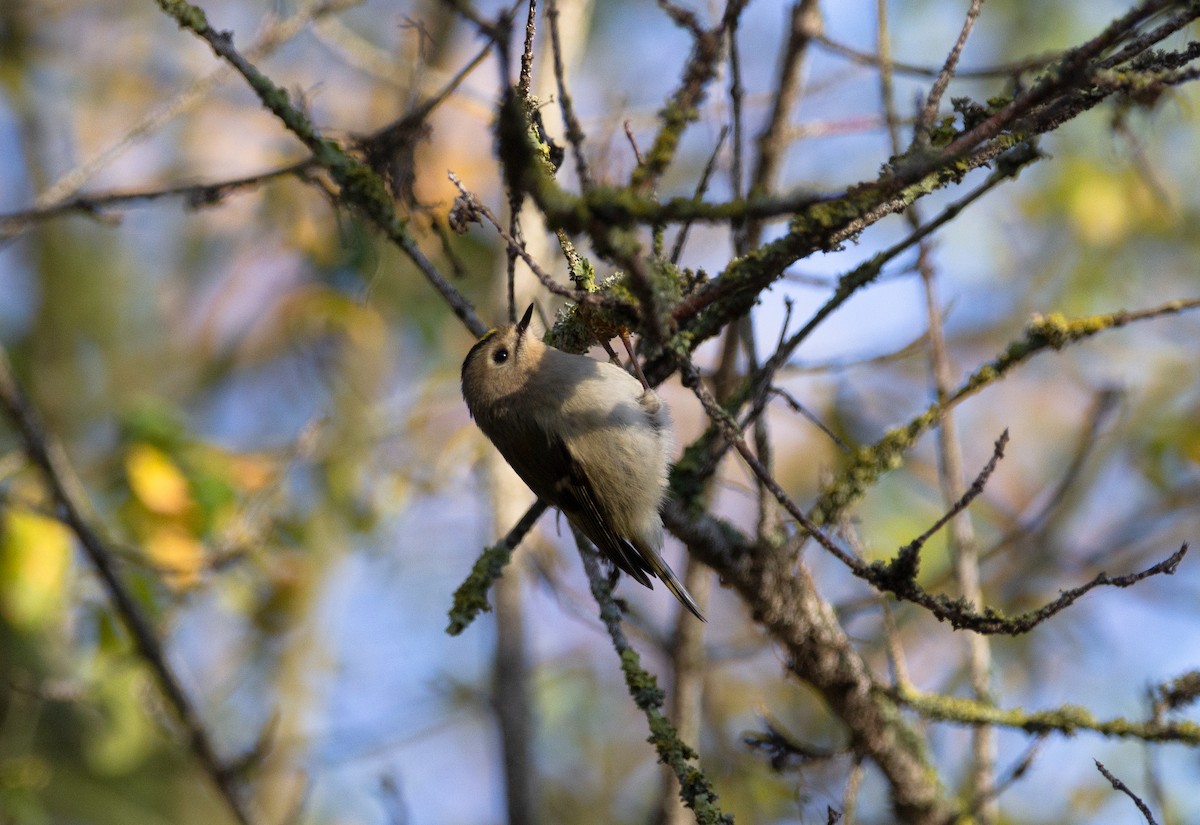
[177,554]
[35,554]
[156,481]
[1099,207]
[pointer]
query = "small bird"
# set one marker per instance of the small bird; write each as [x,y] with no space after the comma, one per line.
[586,436]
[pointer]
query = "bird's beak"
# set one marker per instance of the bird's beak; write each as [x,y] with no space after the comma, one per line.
[523,324]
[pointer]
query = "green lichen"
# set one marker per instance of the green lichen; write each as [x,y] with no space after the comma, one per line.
[1065,719]
[470,599]
[643,687]
[695,789]
[187,15]
[943,133]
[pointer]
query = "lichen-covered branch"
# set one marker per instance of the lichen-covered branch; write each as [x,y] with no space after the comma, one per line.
[1067,719]
[360,187]
[470,599]
[695,789]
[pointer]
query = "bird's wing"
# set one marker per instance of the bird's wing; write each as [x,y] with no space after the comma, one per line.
[577,498]
[551,470]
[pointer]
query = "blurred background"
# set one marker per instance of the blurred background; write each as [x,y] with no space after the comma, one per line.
[261,398]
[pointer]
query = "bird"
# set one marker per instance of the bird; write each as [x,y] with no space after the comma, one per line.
[585,436]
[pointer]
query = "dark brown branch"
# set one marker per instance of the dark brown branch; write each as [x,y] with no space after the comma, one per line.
[783,598]
[1123,788]
[195,195]
[525,79]
[964,501]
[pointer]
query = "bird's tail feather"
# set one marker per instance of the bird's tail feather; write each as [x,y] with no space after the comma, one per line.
[665,574]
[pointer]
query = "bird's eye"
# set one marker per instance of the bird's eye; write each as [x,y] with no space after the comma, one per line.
[500,355]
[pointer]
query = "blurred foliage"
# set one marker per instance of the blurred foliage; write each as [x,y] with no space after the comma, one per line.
[35,556]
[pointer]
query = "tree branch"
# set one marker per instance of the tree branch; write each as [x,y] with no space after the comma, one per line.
[361,187]
[695,789]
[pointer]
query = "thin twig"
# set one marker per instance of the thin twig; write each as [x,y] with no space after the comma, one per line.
[574,132]
[972,493]
[691,379]
[698,194]
[498,31]
[929,112]
[1003,70]
[195,195]
[737,178]
[525,79]
[391,149]
[805,24]
[274,34]
[684,18]
[1123,788]
[796,406]
[516,198]
[468,207]
[629,136]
